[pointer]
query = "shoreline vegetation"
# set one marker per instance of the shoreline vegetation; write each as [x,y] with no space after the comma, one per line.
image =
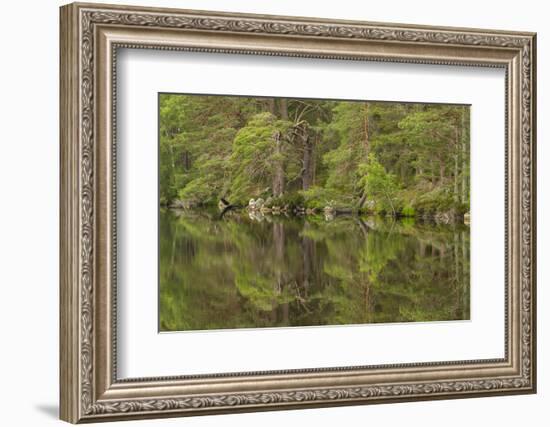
[295,157]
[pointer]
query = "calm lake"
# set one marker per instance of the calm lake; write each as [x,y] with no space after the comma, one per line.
[246,271]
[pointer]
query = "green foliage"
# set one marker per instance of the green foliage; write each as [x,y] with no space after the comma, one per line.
[399,159]
[319,197]
[408,211]
[437,200]
[291,200]
[378,184]
[350,127]
[253,156]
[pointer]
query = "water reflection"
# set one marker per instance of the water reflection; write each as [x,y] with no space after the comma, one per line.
[273,271]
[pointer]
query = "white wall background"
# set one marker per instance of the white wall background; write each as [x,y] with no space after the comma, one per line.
[29,171]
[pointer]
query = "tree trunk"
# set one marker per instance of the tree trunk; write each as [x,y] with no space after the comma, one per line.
[366,296]
[362,226]
[271,106]
[186,160]
[172,157]
[283,108]
[314,162]
[285,315]
[422,248]
[279,245]
[456,194]
[362,200]
[308,253]
[278,169]
[458,278]
[366,132]
[465,273]
[301,134]
[307,144]
[464,139]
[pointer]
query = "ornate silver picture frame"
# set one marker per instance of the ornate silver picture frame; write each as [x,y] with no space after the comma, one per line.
[91,34]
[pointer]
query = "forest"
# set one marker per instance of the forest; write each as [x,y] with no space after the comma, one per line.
[304,212]
[310,155]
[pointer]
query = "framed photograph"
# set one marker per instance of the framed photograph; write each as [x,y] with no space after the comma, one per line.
[266,212]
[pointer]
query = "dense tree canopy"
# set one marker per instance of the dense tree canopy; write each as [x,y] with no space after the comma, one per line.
[395,158]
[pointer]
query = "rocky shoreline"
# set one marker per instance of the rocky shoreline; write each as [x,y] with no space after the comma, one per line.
[266,207]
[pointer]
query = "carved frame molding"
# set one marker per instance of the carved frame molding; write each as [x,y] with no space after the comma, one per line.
[90,36]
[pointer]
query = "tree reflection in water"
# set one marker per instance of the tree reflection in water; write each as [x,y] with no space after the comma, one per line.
[275,271]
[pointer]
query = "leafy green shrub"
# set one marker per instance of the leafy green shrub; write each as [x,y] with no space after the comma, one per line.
[408,211]
[317,197]
[462,208]
[437,200]
[292,200]
[379,185]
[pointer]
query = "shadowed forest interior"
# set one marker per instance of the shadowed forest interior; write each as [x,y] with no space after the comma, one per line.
[303,212]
